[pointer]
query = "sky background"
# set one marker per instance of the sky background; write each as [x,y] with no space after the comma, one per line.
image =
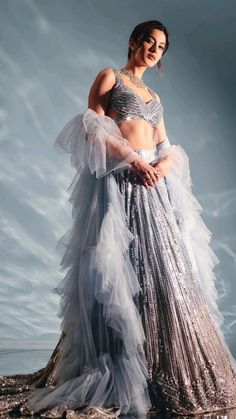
[50,53]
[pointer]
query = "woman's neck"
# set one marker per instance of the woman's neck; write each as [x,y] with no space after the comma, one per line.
[135,70]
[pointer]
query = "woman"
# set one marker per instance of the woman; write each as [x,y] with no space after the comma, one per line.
[140,322]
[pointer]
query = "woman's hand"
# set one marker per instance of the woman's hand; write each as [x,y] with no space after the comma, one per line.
[149,175]
[163,166]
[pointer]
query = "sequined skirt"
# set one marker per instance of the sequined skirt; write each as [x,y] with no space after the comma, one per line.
[188,366]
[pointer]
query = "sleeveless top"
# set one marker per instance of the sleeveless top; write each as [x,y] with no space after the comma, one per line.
[130,104]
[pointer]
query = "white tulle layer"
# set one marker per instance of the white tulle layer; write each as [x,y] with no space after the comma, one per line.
[98,292]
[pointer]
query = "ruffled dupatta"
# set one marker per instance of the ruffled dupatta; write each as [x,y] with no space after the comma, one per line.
[101,358]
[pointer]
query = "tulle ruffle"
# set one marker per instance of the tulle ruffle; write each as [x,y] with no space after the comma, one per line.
[101,359]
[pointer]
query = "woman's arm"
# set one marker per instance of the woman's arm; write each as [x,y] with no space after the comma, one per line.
[160,132]
[117,147]
[160,136]
[100,90]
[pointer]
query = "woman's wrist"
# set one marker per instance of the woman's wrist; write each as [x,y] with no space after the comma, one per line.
[135,161]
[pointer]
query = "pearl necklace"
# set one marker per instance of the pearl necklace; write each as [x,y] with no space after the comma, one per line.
[134,79]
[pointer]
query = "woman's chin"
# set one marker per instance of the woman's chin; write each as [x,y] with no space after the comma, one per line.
[150,63]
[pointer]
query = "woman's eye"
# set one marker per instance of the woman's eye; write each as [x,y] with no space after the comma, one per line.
[150,40]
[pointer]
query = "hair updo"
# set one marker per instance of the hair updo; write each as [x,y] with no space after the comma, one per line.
[142,31]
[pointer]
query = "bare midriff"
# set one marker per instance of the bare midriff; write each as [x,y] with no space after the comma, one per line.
[138,132]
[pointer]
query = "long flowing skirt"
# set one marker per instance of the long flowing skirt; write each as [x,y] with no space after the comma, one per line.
[189,369]
[140,327]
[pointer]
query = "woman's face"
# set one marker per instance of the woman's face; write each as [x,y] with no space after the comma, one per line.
[151,50]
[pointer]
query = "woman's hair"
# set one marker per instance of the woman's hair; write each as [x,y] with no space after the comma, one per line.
[142,31]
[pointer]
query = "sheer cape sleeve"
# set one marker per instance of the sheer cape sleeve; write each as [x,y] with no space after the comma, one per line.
[96,141]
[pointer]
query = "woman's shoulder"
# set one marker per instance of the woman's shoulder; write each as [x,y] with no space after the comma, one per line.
[99,93]
[106,76]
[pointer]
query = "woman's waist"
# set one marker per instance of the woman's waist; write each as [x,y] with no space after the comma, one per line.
[139,133]
[148,154]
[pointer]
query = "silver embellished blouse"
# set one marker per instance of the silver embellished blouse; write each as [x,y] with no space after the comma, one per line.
[130,104]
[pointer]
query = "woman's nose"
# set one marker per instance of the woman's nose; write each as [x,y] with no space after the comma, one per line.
[153,48]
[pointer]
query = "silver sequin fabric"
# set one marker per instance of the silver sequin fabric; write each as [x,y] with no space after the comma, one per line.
[130,105]
[189,369]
